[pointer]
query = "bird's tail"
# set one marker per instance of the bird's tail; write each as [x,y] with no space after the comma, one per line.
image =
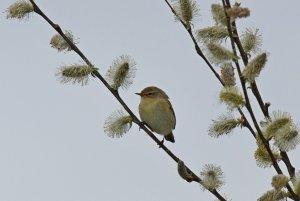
[170,137]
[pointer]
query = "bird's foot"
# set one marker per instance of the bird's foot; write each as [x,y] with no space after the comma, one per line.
[142,124]
[161,143]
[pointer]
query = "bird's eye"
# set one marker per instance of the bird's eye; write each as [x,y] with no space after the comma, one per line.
[149,94]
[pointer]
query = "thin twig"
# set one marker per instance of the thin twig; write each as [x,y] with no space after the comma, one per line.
[198,50]
[200,53]
[264,106]
[249,107]
[117,96]
[248,104]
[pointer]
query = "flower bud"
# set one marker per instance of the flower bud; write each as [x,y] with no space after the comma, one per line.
[212,177]
[76,73]
[219,54]
[223,125]
[212,34]
[232,97]
[237,12]
[227,74]
[121,73]
[59,43]
[186,11]
[279,181]
[19,10]
[117,124]
[254,67]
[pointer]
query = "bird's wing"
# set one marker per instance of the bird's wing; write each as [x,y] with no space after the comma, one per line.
[172,112]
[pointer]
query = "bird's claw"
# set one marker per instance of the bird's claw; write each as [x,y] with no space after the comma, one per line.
[161,143]
[141,124]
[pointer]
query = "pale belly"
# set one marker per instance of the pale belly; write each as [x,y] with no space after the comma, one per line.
[158,116]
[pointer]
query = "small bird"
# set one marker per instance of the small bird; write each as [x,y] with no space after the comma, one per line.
[156,112]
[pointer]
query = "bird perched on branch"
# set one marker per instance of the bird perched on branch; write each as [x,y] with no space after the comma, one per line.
[156,112]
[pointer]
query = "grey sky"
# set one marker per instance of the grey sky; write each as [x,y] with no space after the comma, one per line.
[52,144]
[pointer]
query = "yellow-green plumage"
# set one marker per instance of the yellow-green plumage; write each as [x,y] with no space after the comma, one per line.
[156,111]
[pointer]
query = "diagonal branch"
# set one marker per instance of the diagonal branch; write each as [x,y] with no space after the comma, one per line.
[117,96]
[198,50]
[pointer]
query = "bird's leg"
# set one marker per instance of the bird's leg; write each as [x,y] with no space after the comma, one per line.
[161,143]
[144,124]
[141,124]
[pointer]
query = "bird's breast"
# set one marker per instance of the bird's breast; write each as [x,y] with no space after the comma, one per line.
[157,114]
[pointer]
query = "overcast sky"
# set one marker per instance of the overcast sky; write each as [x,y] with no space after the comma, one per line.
[52,143]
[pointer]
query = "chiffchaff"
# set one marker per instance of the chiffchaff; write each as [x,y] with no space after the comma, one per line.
[156,112]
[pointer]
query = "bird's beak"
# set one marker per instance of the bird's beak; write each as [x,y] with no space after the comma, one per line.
[138,94]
